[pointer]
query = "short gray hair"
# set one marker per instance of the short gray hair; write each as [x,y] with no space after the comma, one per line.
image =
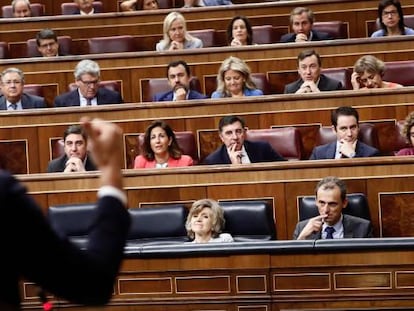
[13,69]
[87,66]
[14,2]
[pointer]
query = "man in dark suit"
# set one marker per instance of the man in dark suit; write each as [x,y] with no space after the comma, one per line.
[311,80]
[301,22]
[13,98]
[75,157]
[237,150]
[87,75]
[331,223]
[345,124]
[47,43]
[178,75]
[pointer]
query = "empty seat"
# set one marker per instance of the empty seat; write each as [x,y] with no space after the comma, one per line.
[152,86]
[400,72]
[158,225]
[72,8]
[37,9]
[265,34]
[343,75]
[250,220]
[357,206]
[205,35]
[285,140]
[72,221]
[65,46]
[4,50]
[335,29]
[113,44]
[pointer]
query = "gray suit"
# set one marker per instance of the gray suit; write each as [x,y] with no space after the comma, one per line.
[28,102]
[354,227]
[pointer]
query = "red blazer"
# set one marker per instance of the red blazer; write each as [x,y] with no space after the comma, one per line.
[142,162]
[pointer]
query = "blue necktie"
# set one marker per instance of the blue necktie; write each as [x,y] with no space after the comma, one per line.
[329,232]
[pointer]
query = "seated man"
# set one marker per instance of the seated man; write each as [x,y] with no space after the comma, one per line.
[47,43]
[76,157]
[178,75]
[311,80]
[21,8]
[331,222]
[345,124]
[87,75]
[199,3]
[85,7]
[13,97]
[301,22]
[237,150]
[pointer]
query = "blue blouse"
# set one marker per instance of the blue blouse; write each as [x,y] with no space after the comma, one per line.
[381,33]
[246,92]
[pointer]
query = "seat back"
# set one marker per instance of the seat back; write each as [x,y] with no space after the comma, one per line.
[65,46]
[165,4]
[158,225]
[4,50]
[284,140]
[357,206]
[33,89]
[112,44]
[152,86]
[185,140]
[335,29]
[72,220]
[400,72]
[367,135]
[265,34]
[249,220]
[341,74]
[208,36]
[71,8]
[260,79]
[38,9]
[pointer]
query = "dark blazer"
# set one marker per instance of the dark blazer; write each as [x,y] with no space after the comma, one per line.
[58,164]
[328,151]
[316,36]
[325,84]
[81,276]
[354,227]
[168,96]
[104,97]
[28,102]
[257,152]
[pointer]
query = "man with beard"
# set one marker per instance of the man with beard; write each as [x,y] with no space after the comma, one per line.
[178,75]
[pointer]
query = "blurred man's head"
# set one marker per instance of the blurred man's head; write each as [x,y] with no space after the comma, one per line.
[87,75]
[309,65]
[47,43]
[12,84]
[301,21]
[21,8]
[75,142]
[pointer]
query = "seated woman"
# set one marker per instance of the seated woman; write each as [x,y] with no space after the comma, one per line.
[160,148]
[138,5]
[176,36]
[391,19]
[234,80]
[368,73]
[239,31]
[408,133]
[205,222]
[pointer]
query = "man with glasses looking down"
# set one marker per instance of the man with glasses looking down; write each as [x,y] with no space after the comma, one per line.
[88,93]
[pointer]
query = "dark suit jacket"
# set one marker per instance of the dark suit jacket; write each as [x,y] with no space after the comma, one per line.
[168,96]
[28,102]
[325,84]
[257,152]
[104,97]
[354,227]
[58,164]
[56,264]
[328,151]
[316,36]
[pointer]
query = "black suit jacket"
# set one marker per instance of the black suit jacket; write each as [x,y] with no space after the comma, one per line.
[325,84]
[328,151]
[316,36]
[168,96]
[58,164]
[257,152]
[28,102]
[58,266]
[104,97]
[354,227]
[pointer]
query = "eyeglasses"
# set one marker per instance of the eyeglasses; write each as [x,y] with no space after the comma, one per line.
[47,45]
[391,13]
[90,83]
[10,82]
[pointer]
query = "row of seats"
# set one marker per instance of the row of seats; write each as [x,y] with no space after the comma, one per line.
[251,220]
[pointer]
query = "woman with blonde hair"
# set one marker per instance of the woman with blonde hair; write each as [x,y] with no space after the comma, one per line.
[234,80]
[368,73]
[205,222]
[176,36]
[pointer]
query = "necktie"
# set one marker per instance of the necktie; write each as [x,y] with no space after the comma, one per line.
[329,232]
[88,102]
[14,106]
